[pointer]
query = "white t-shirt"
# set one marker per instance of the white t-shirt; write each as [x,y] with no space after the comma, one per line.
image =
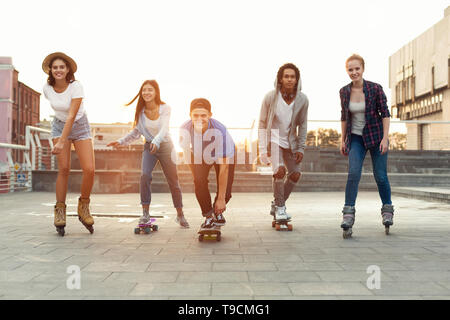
[60,102]
[282,122]
[153,126]
[358,112]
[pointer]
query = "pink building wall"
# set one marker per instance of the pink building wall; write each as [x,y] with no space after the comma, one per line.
[6,104]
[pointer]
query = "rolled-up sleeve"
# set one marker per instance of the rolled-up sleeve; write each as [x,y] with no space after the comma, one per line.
[343,113]
[382,103]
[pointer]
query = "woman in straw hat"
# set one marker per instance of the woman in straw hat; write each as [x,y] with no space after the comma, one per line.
[70,125]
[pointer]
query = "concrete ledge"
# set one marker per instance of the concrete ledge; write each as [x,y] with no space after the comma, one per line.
[423,193]
[119,181]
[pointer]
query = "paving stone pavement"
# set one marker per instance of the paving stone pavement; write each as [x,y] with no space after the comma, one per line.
[253,261]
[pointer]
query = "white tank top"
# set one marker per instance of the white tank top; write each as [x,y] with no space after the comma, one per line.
[153,126]
[358,112]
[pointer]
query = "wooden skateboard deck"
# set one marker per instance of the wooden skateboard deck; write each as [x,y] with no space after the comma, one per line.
[213,233]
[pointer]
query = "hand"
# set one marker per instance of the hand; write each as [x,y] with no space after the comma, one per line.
[114,144]
[153,148]
[384,146]
[265,160]
[342,149]
[58,147]
[298,157]
[219,206]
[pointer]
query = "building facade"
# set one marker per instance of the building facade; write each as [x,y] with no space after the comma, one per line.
[19,107]
[419,79]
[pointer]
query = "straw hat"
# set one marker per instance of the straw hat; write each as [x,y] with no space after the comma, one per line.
[51,56]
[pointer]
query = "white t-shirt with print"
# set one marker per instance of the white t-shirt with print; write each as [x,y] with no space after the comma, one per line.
[60,102]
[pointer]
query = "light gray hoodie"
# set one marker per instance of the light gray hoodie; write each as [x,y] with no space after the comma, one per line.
[298,131]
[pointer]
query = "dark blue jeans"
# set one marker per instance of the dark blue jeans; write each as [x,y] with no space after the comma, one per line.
[356,157]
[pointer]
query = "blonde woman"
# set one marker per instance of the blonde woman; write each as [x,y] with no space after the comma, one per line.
[365,121]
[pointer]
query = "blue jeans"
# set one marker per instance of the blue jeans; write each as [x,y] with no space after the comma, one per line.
[356,157]
[164,155]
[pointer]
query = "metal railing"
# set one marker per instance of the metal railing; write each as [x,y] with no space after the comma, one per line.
[16,176]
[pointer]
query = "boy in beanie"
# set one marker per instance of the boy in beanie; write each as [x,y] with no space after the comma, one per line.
[206,143]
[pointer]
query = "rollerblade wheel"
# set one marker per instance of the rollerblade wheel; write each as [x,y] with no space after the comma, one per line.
[137,230]
[347,233]
[60,231]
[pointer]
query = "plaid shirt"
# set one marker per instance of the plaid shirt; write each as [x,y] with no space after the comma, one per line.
[376,109]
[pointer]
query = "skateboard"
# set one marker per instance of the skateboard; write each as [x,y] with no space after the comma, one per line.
[146,227]
[282,226]
[213,233]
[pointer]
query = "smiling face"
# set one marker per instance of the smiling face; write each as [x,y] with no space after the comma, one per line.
[200,118]
[355,70]
[148,93]
[59,69]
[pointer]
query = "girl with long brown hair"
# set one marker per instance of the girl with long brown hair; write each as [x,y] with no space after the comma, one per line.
[151,120]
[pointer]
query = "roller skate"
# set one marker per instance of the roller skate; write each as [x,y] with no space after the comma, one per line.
[348,221]
[84,214]
[387,213]
[60,218]
[281,219]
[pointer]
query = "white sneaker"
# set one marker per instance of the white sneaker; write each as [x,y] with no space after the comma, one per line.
[280,214]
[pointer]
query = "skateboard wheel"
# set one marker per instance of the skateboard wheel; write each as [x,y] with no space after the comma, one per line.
[273,224]
[277,227]
[147,230]
[155,228]
[137,230]
[218,237]
[290,227]
[200,237]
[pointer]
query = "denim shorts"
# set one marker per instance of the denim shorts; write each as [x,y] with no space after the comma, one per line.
[81,130]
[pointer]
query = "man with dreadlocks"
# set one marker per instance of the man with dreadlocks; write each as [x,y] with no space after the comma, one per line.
[282,136]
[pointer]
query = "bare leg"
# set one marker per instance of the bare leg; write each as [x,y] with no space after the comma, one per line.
[85,152]
[62,179]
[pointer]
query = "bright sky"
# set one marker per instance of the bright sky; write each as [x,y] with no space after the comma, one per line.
[226,51]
